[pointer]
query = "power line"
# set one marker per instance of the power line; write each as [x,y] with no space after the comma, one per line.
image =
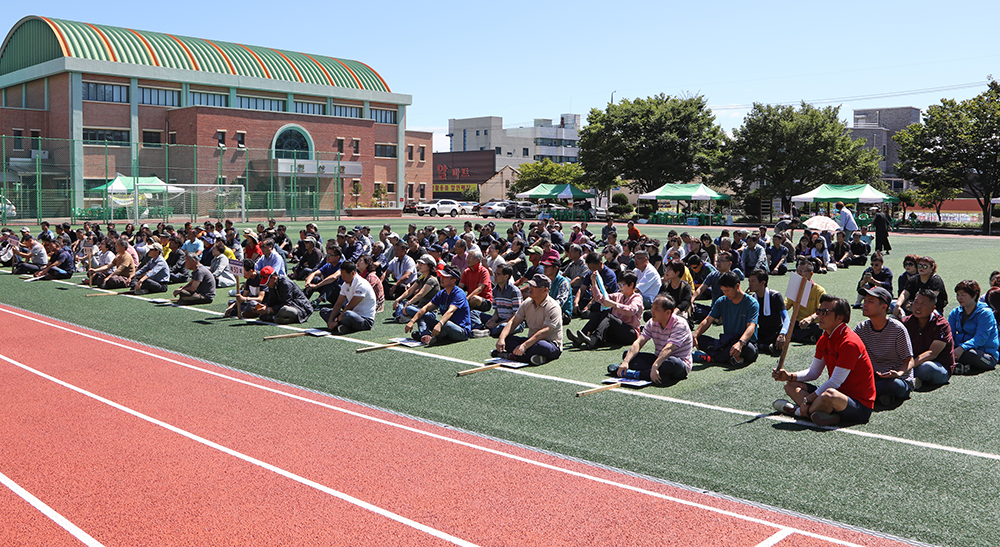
[862,97]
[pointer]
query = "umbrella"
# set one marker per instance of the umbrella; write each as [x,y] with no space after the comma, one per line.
[822,223]
[696,192]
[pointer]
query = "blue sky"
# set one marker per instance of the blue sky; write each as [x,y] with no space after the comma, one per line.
[526,60]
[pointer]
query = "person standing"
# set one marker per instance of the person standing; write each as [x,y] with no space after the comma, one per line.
[846,220]
[880,221]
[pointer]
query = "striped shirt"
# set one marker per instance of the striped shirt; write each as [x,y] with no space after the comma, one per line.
[888,348]
[677,332]
[506,301]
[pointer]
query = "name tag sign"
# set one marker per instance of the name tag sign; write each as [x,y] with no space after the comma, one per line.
[13,239]
[795,281]
[88,247]
[236,267]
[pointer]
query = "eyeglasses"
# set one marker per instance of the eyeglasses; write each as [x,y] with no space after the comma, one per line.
[695,267]
[923,266]
[823,311]
[908,264]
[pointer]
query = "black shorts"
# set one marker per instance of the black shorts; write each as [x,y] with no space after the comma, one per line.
[855,413]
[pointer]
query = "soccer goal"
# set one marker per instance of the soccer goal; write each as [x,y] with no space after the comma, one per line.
[195,201]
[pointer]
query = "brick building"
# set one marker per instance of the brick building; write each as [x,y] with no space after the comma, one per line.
[84,101]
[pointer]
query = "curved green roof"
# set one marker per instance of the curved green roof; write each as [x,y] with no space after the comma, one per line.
[34,40]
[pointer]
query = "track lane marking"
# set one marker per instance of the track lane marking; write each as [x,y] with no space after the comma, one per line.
[239,455]
[776,538]
[54,515]
[414,430]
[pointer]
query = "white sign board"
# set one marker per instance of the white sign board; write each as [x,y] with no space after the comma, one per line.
[236,267]
[13,239]
[794,281]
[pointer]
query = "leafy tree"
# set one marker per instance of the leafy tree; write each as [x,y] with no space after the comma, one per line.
[785,151]
[934,198]
[471,194]
[357,192]
[907,198]
[650,142]
[958,147]
[377,194]
[545,172]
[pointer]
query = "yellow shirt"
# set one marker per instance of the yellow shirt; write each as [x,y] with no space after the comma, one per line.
[229,254]
[811,305]
[687,277]
[166,252]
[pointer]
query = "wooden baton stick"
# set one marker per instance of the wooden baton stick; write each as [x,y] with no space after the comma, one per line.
[479,369]
[793,322]
[103,294]
[597,389]
[289,335]
[373,348]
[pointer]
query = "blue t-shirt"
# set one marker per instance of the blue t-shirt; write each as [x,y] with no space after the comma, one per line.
[735,317]
[65,259]
[457,298]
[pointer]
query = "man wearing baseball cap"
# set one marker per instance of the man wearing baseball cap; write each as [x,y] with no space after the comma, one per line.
[36,254]
[455,323]
[154,276]
[544,319]
[889,347]
[284,302]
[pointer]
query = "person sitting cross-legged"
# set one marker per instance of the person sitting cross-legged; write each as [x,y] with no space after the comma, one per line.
[975,330]
[154,276]
[544,319]
[284,302]
[506,301]
[849,393]
[455,323]
[930,337]
[738,313]
[772,328]
[617,323]
[807,330]
[201,288]
[889,348]
[476,282]
[355,307]
[672,344]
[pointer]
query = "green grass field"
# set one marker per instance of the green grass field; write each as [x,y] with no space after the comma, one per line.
[904,474]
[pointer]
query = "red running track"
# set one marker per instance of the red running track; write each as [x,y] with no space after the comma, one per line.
[138,446]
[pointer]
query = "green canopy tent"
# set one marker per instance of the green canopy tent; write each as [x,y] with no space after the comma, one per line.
[147,185]
[686,192]
[852,193]
[555,191]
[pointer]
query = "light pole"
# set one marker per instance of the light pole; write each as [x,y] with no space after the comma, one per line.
[613,96]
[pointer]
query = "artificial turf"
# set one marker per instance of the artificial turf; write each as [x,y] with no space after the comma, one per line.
[927,494]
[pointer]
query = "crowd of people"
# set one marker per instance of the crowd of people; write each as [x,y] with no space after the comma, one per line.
[525,287]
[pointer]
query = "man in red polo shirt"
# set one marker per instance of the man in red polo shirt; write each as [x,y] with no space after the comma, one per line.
[849,393]
[476,282]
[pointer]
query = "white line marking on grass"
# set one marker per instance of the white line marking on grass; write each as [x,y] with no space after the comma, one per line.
[773,540]
[254,461]
[382,421]
[79,534]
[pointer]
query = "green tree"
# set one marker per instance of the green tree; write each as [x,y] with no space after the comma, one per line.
[957,147]
[907,198]
[650,142]
[785,151]
[471,193]
[545,172]
[934,198]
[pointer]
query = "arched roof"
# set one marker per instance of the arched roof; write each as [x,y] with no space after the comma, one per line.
[34,40]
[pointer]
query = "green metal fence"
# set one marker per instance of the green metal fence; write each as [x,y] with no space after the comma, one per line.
[42,178]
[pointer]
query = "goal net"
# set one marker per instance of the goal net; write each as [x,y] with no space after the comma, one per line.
[195,201]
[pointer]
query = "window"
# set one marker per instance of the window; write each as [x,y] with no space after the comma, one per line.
[340,146]
[241,139]
[477,132]
[109,93]
[36,139]
[423,188]
[486,131]
[409,190]
[152,139]
[382,116]
[291,144]
[524,152]
[310,108]
[385,150]
[221,181]
[220,136]
[390,188]
[208,99]
[409,153]
[159,97]
[18,145]
[423,149]
[357,146]
[111,137]
[499,151]
[345,111]
[258,103]
[173,137]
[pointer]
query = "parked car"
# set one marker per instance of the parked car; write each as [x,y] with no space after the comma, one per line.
[440,207]
[410,207]
[521,209]
[596,213]
[8,207]
[468,207]
[492,209]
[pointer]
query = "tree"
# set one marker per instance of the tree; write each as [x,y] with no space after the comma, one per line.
[545,172]
[786,151]
[934,198]
[907,198]
[650,142]
[357,191]
[957,147]
[471,194]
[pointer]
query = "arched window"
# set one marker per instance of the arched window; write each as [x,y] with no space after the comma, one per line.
[291,144]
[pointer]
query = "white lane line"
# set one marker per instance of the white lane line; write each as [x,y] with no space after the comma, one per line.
[773,540]
[446,439]
[79,534]
[254,461]
[630,392]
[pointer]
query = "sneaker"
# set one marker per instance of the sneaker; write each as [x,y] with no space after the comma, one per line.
[824,418]
[538,360]
[402,319]
[232,292]
[582,340]
[784,407]
[962,369]
[500,354]
[699,356]
[342,329]
[575,338]
[734,362]
[917,383]
[480,333]
[613,369]
[814,339]
[140,292]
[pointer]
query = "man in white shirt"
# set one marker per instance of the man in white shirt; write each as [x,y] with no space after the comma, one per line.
[403,270]
[648,283]
[846,221]
[355,307]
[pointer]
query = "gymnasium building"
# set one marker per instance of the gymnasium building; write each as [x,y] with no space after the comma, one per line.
[80,102]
